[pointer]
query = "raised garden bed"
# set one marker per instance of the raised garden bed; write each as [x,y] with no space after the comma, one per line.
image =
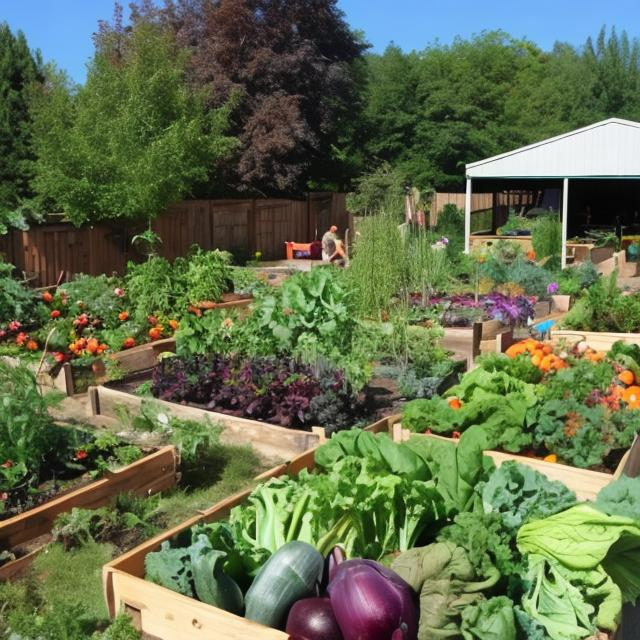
[153,473]
[78,378]
[165,614]
[268,439]
[585,483]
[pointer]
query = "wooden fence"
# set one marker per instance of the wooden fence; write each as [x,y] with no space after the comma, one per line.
[242,226]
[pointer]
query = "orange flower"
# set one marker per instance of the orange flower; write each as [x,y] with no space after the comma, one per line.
[173,324]
[32,345]
[627,377]
[552,457]
[123,315]
[454,403]
[47,297]
[128,343]
[92,345]
[631,395]
[531,255]
[155,333]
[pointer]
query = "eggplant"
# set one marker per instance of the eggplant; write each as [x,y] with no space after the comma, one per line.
[290,574]
[371,602]
[313,619]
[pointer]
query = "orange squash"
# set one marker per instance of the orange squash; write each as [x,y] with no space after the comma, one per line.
[516,349]
[631,395]
[547,349]
[627,377]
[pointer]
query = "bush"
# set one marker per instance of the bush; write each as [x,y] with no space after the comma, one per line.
[547,236]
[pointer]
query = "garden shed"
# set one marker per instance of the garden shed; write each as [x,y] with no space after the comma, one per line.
[591,176]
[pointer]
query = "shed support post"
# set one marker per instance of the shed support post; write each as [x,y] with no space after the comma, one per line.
[467,218]
[565,215]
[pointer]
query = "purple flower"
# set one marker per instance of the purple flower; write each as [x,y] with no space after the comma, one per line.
[552,287]
[444,240]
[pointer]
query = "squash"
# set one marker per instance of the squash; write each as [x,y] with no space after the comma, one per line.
[631,395]
[289,575]
[627,377]
[516,349]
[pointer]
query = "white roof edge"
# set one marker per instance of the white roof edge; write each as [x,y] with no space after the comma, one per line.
[595,125]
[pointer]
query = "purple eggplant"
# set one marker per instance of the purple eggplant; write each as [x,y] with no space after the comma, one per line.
[335,558]
[313,619]
[371,602]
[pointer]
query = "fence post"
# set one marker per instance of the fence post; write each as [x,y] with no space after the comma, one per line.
[252,228]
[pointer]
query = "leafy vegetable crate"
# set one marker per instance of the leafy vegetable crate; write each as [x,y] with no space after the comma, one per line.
[168,615]
[151,474]
[586,484]
[268,439]
[139,358]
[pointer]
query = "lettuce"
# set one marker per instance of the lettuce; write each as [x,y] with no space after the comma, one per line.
[621,498]
[583,539]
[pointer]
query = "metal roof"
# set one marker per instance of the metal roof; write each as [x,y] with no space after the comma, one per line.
[610,148]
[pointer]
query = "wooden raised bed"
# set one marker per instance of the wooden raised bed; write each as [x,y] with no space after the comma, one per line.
[268,439]
[144,356]
[600,341]
[167,615]
[151,474]
[585,483]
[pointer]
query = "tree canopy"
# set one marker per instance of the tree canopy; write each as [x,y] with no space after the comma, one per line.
[134,138]
[20,69]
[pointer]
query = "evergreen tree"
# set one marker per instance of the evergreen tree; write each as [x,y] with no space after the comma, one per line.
[19,70]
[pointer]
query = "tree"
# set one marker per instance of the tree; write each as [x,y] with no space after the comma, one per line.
[290,64]
[134,138]
[19,70]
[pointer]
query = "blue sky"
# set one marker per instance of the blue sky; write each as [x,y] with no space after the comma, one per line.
[62,29]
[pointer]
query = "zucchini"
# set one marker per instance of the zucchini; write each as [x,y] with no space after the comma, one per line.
[290,574]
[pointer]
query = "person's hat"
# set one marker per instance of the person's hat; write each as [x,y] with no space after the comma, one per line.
[333,228]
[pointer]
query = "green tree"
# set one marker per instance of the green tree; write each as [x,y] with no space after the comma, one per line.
[134,138]
[19,70]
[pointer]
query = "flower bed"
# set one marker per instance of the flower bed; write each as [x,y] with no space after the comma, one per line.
[470,538]
[565,403]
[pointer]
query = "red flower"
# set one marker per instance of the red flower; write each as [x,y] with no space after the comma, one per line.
[7,464]
[455,435]
[21,338]
[32,345]
[81,455]
[152,320]
[14,325]
[128,343]
[47,297]
[58,356]
[55,313]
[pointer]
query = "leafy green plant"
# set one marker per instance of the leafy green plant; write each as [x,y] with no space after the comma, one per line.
[155,287]
[213,331]
[378,257]
[207,276]
[547,236]
[16,301]
[517,223]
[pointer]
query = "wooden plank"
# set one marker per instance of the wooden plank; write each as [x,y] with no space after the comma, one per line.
[144,356]
[17,568]
[155,472]
[268,439]
[600,341]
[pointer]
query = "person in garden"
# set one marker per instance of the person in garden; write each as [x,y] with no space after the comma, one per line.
[329,243]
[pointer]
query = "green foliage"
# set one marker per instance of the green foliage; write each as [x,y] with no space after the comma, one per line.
[572,281]
[378,257]
[382,188]
[16,301]
[20,69]
[215,331]
[451,226]
[517,223]
[130,141]
[28,435]
[207,275]
[603,307]
[546,237]
[155,287]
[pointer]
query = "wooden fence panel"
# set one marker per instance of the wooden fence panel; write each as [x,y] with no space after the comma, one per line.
[251,225]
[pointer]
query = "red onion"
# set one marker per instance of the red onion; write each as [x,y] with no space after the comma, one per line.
[371,602]
[313,619]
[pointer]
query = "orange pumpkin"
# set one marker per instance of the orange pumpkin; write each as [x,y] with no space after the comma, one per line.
[627,377]
[547,349]
[631,395]
[516,349]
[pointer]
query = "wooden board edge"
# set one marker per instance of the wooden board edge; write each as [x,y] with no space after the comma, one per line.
[15,530]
